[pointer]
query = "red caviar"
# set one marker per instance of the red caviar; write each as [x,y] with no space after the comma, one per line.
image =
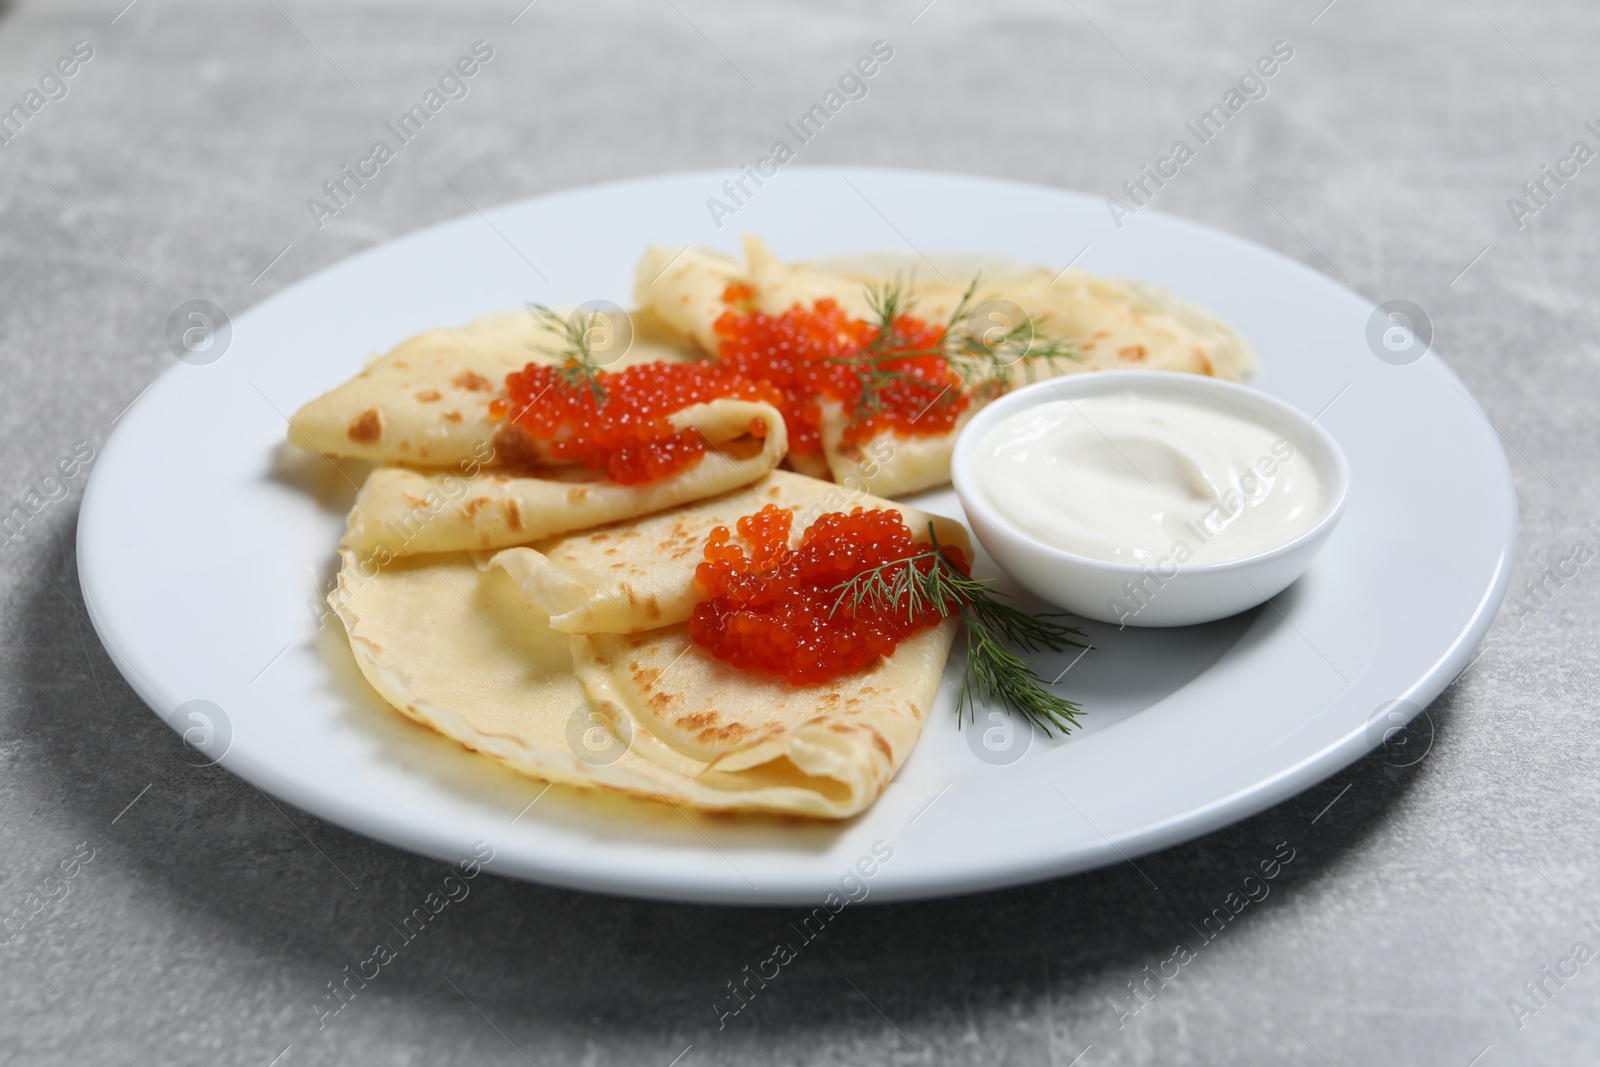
[629,432]
[823,353]
[773,609]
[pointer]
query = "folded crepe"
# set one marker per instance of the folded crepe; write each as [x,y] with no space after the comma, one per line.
[1109,324]
[426,403]
[1116,324]
[637,576]
[472,653]
[403,512]
[683,287]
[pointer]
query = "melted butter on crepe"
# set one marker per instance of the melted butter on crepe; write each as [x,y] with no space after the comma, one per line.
[639,575]
[402,512]
[426,402]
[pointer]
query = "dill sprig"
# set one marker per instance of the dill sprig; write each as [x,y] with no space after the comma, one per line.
[578,368]
[984,357]
[888,303]
[981,357]
[994,673]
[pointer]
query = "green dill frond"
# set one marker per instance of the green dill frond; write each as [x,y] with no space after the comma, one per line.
[984,357]
[906,588]
[578,368]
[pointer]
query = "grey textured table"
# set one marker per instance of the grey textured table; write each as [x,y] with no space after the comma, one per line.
[206,921]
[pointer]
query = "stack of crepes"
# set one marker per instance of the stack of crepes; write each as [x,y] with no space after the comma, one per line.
[531,608]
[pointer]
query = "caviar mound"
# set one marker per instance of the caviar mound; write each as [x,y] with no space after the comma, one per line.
[895,379]
[620,421]
[780,611]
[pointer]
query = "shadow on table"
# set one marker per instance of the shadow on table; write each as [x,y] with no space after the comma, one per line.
[552,967]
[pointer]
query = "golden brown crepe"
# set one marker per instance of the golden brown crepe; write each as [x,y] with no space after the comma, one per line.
[401,512]
[468,652]
[888,464]
[639,575]
[1116,324]
[835,745]
[426,402]
[1120,325]
[683,287]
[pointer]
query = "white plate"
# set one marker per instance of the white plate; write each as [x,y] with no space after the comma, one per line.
[199,548]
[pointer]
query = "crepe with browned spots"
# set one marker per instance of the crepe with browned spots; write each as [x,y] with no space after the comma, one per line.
[469,650]
[1110,324]
[403,512]
[639,575]
[426,403]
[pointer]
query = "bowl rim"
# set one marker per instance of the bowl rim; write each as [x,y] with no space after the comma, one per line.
[1232,395]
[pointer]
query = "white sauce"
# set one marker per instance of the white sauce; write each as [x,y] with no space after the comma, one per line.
[1140,479]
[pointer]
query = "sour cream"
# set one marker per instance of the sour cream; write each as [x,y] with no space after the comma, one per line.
[1145,479]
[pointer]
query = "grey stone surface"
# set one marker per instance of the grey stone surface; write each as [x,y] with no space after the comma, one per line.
[209,919]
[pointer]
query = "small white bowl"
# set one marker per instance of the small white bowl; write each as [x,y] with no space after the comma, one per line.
[1181,595]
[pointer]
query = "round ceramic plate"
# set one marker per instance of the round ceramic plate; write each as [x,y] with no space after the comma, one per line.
[205,547]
